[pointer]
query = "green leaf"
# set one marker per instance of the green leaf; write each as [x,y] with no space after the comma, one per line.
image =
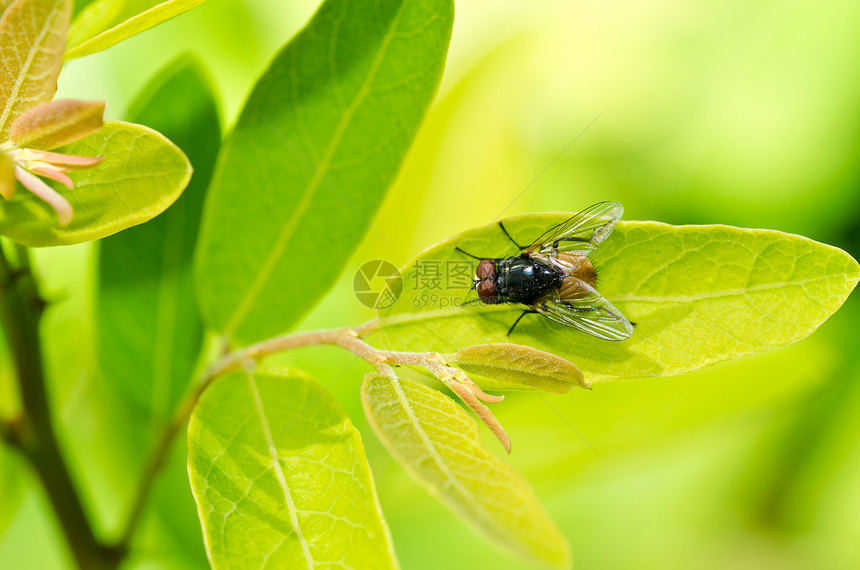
[314,151]
[439,444]
[80,5]
[141,175]
[5,4]
[7,175]
[281,479]
[104,23]
[503,366]
[698,295]
[149,328]
[32,38]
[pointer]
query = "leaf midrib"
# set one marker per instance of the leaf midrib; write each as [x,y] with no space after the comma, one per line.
[405,318]
[310,191]
[723,293]
[436,457]
[279,473]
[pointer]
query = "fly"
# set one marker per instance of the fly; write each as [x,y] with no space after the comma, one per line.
[554,276]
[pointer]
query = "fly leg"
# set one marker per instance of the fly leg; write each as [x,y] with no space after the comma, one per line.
[469,254]
[474,281]
[516,322]
[521,247]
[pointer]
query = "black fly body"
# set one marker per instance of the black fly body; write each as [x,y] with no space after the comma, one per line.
[554,277]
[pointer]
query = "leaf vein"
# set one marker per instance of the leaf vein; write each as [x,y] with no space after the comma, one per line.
[279,472]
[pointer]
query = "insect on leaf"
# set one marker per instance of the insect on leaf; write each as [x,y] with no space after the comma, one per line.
[698,295]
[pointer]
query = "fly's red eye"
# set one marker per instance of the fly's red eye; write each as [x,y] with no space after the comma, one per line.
[487,291]
[486,270]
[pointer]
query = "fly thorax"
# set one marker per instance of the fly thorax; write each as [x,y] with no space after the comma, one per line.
[523,279]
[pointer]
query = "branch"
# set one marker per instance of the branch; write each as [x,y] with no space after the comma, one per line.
[21,310]
[457,380]
[346,338]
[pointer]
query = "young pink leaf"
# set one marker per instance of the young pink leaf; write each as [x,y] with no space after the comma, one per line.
[35,185]
[70,161]
[54,173]
[57,123]
[142,174]
[504,366]
[32,40]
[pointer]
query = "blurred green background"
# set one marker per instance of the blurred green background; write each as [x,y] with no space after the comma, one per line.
[741,113]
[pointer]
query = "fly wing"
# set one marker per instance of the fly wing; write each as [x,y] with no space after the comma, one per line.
[582,233]
[578,305]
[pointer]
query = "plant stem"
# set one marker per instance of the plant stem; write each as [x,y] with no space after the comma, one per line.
[349,339]
[346,338]
[21,310]
[156,460]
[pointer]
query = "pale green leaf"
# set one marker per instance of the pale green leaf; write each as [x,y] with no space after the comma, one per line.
[149,328]
[141,175]
[7,175]
[698,295]
[280,478]
[505,366]
[439,444]
[57,123]
[106,22]
[315,149]
[80,5]
[5,4]
[32,38]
